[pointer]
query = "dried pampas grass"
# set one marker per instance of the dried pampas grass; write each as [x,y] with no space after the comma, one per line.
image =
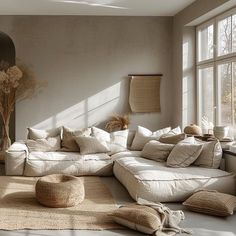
[117,122]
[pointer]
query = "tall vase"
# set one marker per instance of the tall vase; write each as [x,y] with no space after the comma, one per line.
[6,141]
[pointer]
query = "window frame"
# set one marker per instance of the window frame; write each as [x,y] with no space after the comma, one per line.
[213,62]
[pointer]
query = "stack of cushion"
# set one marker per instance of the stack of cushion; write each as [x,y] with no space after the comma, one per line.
[87,141]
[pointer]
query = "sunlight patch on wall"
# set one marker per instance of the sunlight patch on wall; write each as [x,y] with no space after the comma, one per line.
[88,112]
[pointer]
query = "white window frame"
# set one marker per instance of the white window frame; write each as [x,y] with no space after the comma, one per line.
[215,61]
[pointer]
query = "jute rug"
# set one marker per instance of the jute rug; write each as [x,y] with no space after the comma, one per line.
[20,210]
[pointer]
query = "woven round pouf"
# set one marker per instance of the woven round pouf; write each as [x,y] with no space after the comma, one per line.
[59,190]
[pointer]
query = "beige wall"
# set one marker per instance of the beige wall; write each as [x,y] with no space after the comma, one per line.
[184,80]
[85,61]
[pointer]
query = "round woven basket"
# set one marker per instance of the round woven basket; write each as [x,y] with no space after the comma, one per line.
[59,190]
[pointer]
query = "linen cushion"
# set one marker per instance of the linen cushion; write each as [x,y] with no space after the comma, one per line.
[156,151]
[143,136]
[68,138]
[42,134]
[91,145]
[116,141]
[211,154]
[172,139]
[183,154]
[136,217]
[44,145]
[212,203]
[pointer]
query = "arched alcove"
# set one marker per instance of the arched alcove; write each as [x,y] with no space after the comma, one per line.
[8,54]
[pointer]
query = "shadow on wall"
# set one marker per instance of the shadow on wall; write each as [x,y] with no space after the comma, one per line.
[92,110]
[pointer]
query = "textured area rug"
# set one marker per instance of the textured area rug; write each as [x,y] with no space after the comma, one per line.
[20,209]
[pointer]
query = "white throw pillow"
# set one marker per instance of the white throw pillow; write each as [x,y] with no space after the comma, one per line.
[175,131]
[143,136]
[156,150]
[116,141]
[91,145]
[211,154]
[50,144]
[184,154]
[42,134]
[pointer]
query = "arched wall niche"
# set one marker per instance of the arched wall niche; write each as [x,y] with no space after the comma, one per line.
[8,54]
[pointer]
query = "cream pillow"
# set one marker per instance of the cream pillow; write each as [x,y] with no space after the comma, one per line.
[211,203]
[68,138]
[156,151]
[42,134]
[116,141]
[172,139]
[143,136]
[211,154]
[136,217]
[184,154]
[50,144]
[91,145]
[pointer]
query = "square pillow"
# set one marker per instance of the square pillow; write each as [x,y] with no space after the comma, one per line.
[68,138]
[143,136]
[211,154]
[91,145]
[211,203]
[42,134]
[137,217]
[157,151]
[183,154]
[116,141]
[49,144]
[172,139]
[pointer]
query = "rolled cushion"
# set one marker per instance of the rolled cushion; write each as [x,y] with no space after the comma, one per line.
[156,151]
[59,190]
[50,144]
[184,154]
[172,139]
[41,133]
[68,138]
[211,203]
[91,145]
[136,217]
[143,136]
[211,154]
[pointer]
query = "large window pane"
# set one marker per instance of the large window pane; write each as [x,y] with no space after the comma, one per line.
[234,33]
[224,36]
[205,43]
[225,94]
[234,91]
[206,93]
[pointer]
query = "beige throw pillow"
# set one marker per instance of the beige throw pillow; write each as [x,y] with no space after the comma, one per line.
[116,141]
[156,151]
[211,154]
[183,154]
[212,203]
[136,217]
[68,138]
[143,136]
[91,145]
[172,139]
[50,144]
[42,134]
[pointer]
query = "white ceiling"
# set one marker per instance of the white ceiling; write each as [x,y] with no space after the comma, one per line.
[93,7]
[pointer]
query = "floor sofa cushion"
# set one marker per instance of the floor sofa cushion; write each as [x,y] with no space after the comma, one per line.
[156,182]
[70,163]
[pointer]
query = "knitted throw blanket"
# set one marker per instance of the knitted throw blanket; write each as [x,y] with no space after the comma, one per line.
[169,219]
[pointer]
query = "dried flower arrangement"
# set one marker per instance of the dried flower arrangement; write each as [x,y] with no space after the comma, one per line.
[16,83]
[117,122]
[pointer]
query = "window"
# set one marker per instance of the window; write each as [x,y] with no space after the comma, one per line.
[216,70]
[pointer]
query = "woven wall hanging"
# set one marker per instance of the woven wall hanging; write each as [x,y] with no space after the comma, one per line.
[144,93]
